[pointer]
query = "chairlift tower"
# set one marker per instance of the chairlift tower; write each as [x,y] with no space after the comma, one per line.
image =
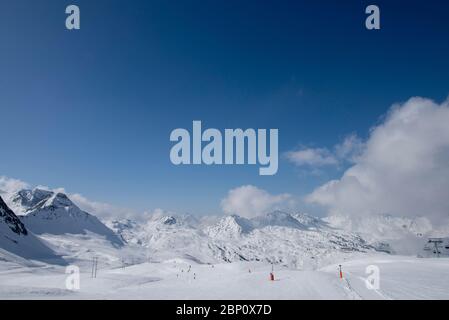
[436,242]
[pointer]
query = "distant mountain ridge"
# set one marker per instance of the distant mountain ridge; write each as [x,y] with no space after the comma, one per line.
[294,239]
[277,237]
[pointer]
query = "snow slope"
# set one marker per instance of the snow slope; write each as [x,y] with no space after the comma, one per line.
[16,240]
[400,278]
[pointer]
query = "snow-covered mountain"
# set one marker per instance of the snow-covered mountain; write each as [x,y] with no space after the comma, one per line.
[17,240]
[277,237]
[233,227]
[47,212]
[23,200]
[230,227]
[165,237]
[296,240]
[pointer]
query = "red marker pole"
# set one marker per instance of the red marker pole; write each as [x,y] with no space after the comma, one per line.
[341,273]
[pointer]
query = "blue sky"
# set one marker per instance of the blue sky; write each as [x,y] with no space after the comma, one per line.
[92,110]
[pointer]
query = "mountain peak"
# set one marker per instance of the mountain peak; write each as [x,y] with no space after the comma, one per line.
[24,200]
[59,200]
[169,220]
[230,227]
[28,201]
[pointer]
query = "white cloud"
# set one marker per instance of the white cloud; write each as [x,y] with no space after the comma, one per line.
[156,214]
[403,169]
[312,157]
[9,185]
[249,201]
[100,209]
[348,150]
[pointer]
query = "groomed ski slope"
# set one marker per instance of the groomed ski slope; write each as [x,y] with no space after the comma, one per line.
[400,278]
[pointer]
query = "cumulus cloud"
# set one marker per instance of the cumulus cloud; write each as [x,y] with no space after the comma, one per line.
[402,170]
[249,201]
[346,151]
